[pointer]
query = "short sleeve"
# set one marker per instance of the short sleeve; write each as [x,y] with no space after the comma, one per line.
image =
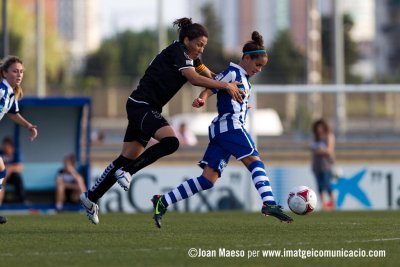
[226,76]
[14,108]
[181,58]
[199,65]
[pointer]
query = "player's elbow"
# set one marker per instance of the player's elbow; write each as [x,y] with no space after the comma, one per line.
[194,79]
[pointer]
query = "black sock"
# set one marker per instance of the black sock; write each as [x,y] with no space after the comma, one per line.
[166,146]
[107,179]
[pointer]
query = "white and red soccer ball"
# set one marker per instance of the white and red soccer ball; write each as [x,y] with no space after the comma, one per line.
[302,200]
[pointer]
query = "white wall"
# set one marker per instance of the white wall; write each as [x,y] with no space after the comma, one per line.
[378,188]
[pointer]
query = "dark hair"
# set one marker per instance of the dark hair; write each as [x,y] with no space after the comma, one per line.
[186,28]
[8,141]
[71,158]
[324,124]
[256,43]
[5,64]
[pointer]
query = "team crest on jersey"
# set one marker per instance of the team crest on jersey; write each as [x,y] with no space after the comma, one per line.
[186,55]
[156,114]
[219,76]
[222,165]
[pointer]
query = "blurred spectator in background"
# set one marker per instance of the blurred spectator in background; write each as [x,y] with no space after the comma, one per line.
[323,157]
[185,136]
[97,137]
[13,162]
[69,183]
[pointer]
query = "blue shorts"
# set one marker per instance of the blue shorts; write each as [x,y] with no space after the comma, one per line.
[237,143]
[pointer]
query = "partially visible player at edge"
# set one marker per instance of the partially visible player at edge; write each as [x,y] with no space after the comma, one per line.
[229,137]
[166,74]
[12,72]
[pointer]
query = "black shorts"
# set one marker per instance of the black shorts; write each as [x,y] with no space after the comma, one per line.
[144,121]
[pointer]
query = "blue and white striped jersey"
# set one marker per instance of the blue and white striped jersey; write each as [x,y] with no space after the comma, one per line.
[231,114]
[8,103]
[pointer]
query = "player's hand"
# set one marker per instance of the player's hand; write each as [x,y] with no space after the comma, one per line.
[198,102]
[233,90]
[34,133]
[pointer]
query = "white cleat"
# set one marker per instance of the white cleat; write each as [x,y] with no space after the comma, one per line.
[123,178]
[92,209]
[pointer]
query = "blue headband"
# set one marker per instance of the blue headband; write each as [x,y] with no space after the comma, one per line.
[254,51]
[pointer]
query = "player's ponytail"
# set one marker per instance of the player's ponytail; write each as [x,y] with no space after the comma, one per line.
[257,38]
[5,64]
[255,47]
[186,28]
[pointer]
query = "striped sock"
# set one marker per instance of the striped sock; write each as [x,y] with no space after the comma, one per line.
[187,189]
[261,182]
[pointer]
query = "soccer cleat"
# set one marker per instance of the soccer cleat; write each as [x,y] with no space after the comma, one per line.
[92,209]
[3,220]
[277,212]
[123,178]
[159,209]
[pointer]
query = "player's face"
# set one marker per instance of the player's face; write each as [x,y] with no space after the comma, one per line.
[320,131]
[196,46]
[254,66]
[14,74]
[8,149]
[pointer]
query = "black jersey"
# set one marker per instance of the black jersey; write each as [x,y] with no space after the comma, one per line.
[163,78]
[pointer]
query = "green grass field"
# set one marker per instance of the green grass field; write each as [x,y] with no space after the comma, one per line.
[133,240]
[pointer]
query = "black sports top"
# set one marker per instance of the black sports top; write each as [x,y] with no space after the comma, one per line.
[163,78]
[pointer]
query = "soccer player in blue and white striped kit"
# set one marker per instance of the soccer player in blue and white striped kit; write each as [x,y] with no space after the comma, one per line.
[229,137]
[12,72]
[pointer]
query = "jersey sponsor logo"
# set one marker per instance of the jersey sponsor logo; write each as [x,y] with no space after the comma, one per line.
[219,76]
[222,165]
[186,55]
[156,114]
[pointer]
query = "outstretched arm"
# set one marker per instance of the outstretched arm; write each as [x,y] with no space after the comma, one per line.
[207,73]
[198,80]
[17,118]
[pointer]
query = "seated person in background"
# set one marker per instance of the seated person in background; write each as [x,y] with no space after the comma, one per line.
[185,136]
[13,162]
[69,183]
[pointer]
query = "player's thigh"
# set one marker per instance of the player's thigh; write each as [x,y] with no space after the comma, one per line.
[238,143]
[214,161]
[165,131]
[155,125]
[132,150]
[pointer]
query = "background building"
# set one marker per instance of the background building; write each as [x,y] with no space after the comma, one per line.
[78,23]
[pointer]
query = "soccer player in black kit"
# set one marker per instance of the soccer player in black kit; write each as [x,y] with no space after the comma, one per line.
[166,74]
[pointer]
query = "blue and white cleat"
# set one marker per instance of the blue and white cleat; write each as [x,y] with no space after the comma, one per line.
[92,209]
[123,179]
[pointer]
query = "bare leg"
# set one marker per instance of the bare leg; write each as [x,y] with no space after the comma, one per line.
[60,193]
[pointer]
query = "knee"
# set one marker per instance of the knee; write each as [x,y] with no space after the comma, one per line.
[60,183]
[171,144]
